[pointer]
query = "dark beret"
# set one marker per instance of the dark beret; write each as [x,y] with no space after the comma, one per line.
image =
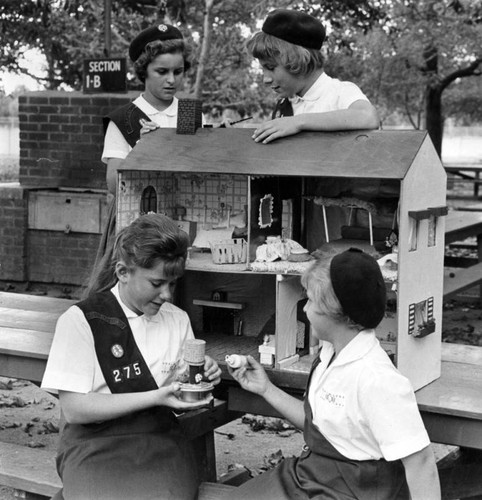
[359,286]
[159,32]
[295,27]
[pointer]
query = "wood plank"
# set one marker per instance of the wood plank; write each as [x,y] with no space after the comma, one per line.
[30,320]
[34,302]
[28,469]
[27,343]
[461,353]
[198,422]
[214,491]
[457,392]
[462,225]
[462,279]
[218,303]
[369,154]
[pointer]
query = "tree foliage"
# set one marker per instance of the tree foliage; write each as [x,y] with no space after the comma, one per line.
[405,54]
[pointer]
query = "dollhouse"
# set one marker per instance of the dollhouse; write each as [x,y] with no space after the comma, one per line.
[256,213]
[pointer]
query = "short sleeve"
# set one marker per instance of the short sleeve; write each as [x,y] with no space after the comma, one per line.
[71,361]
[349,94]
[389,407]
[115,146]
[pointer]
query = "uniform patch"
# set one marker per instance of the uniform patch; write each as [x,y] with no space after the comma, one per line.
[117,351]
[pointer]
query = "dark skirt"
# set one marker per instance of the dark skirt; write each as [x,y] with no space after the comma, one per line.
[140,457]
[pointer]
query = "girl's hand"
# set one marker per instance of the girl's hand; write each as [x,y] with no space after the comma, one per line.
[170,396]
[275,129]
[147,126]
[212,372]
[251,377]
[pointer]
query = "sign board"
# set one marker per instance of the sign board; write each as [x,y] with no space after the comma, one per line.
[104,75]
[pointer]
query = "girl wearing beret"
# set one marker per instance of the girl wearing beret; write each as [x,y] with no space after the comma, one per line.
[161,57]
[288,49]
[364,435]
[114,361]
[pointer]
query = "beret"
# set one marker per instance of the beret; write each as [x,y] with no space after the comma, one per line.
[359,286]
[295,27]
[159,32]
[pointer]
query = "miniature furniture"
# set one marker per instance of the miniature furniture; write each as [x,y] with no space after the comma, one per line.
[382,191]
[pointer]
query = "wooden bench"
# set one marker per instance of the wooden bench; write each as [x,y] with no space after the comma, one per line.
[32,473]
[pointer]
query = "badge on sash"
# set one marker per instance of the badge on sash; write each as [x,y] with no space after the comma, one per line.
[117,351]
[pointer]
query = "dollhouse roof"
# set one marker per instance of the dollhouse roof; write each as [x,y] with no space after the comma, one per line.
[382,154]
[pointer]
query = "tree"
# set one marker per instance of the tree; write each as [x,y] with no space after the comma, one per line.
[414,54]
[405,54]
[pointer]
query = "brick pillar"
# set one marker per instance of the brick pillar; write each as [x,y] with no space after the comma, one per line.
[13,232]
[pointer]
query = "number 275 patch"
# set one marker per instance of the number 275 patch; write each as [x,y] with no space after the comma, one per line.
[133,370]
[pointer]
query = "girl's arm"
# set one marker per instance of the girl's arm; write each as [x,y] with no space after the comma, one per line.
[422,475]
[94,407]
[358,116]
[253,378]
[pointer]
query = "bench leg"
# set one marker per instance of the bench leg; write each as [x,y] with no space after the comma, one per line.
[461,475]
[479,258]
[204,450]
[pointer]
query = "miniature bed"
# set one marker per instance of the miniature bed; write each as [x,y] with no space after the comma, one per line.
[255,213]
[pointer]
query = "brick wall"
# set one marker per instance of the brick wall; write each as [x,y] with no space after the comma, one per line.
[61,141]
[57,257]
[13,232]
[65,128]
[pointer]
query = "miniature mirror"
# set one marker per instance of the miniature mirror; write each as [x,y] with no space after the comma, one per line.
[265,211]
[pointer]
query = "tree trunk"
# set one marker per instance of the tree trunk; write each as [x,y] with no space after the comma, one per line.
[433,116]
[206,43]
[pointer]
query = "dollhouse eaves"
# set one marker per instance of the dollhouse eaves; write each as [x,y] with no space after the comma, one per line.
[385,154]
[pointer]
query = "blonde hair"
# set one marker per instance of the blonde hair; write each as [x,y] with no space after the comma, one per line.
[316,279]
[296,59]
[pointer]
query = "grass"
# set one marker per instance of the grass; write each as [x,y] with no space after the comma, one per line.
[9,169]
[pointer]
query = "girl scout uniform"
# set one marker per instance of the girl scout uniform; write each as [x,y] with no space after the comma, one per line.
[361,418]
[138,456]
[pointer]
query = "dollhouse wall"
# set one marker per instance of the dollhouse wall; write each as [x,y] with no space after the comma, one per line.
[420,271]
[204,199]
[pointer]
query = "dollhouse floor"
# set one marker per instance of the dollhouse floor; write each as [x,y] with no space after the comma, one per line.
[218,345]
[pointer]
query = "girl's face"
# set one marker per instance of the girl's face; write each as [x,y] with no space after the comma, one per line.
[164,77]
[322,324]
[145,290]
[281,81]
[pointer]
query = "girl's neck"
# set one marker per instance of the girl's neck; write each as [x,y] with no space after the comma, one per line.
[309,81]
[342,337]
[156,103]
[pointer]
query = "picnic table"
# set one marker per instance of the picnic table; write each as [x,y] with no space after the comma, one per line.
[466,172]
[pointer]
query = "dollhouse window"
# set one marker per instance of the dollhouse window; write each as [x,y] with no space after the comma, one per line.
[148,200]
[413,235]
[432,231]
[420,318]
